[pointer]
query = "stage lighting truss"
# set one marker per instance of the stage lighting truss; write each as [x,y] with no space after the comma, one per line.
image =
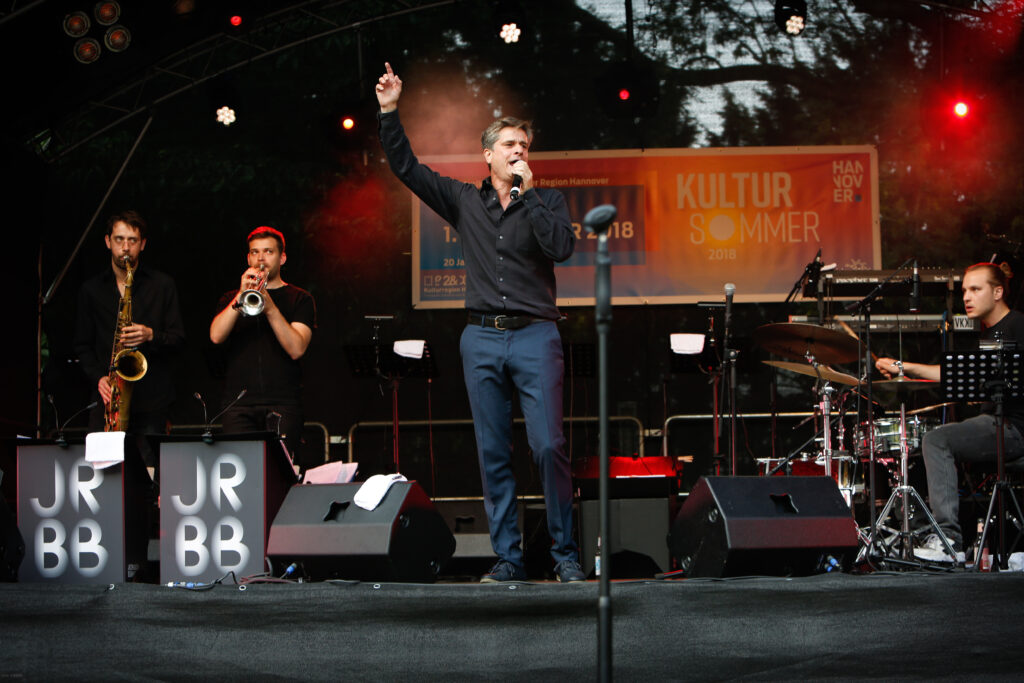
[510,32]
[226,115]
[791,16]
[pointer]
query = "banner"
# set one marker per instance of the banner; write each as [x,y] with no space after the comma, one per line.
[689,220]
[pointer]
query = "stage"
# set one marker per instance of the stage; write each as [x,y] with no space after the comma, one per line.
[928,626]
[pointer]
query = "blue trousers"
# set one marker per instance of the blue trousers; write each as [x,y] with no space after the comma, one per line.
[496,363]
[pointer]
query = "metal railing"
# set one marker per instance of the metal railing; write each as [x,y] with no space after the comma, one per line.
[351,440]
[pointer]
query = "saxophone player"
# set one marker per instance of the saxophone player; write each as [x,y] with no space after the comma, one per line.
[265,327]
[156,330]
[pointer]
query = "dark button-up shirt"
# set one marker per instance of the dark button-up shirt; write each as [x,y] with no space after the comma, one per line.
[509,253]
[154,304]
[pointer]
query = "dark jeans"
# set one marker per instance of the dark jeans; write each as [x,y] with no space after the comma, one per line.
[973,440]
[284,420]
[496,363]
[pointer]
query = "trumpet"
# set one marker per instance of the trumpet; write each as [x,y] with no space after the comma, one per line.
[250,302]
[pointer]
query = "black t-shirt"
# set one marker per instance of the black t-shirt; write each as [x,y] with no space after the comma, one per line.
[1010,328]
[256,361]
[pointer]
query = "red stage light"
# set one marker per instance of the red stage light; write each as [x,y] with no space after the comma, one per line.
[107,13]
[76,24]
[348,123]
[624,94]
[87,50]
[236,20]
[117,38]
[961,109]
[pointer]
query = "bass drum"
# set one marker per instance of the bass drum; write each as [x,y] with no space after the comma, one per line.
[844,470]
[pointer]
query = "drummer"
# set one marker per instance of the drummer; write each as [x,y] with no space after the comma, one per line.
[985,287]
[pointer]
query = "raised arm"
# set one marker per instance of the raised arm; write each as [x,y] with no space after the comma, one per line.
[389,89]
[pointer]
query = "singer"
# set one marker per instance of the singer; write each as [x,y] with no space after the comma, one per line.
[264,350]
[157,331]
[511,343]
[985,286]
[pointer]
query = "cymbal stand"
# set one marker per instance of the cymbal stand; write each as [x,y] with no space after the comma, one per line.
[902,540]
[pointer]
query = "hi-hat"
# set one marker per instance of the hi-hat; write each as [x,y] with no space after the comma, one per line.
[797,340]
[904,383]
[826,373]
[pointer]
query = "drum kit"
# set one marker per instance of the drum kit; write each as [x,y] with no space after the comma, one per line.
[811,350]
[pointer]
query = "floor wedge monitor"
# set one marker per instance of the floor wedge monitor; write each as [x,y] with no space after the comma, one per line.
[327,536]
[763,526]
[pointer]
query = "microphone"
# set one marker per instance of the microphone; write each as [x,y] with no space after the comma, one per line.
[197,396]
[208,434]
[915,290]
[517,183]
[60,440]
[730,289]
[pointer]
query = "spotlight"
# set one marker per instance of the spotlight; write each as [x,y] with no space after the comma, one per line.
[106,13]
[226,115]
[87,50]
[791,16]
[510,32]
[236,20]
[76,24]
[961,109]
[347,123]
[117,38]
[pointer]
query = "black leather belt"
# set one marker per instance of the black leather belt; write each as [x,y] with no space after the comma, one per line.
[501,321]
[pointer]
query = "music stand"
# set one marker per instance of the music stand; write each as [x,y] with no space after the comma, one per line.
[375,360]
[995,375]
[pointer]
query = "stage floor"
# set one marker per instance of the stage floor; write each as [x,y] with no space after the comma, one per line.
[928,626]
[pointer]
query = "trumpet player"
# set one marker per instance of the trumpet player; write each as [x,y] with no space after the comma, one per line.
[265,327]
[156,330]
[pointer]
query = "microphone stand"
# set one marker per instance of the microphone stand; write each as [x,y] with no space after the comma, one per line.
[864,305]
[729,362]
[597,221]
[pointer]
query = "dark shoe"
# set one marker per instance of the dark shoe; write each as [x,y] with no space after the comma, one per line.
[503,570]
[569,571]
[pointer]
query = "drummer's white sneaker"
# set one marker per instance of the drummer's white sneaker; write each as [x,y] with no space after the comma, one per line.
[934,550]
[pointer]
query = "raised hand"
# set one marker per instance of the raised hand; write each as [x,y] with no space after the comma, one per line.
[388,89]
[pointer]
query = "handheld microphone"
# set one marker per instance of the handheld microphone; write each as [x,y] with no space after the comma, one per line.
[208,433]
[517,184]
[730,289]
[60,440]
[915,291]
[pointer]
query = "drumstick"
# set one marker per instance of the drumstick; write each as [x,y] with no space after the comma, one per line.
[853,334]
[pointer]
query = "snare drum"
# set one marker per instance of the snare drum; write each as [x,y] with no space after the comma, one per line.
[887,436]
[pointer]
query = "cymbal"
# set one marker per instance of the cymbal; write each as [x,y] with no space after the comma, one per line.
[806,369]
[904,383]
[796,340]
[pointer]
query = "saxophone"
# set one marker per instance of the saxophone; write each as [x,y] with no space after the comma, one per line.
[127,364]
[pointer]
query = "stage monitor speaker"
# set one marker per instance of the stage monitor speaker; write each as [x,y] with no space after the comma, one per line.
[12,545]
[319,527]
[774,526]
